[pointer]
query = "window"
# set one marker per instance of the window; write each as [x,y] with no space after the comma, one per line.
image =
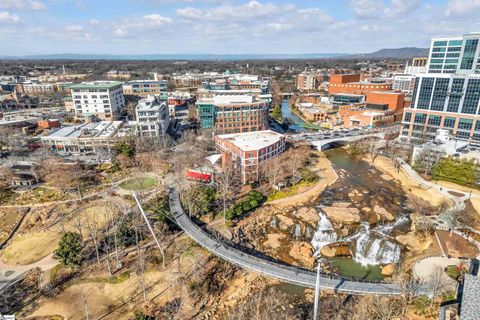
[425,93]
[455,43]
[440,43]
[420,118]
[455,95]
[472,97]
[408,117]
[449,122]
[469,54]
[438,49]
[434,120]
[454,49]
[439,94]
[465,124]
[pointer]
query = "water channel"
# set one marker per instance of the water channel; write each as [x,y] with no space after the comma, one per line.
[292,119]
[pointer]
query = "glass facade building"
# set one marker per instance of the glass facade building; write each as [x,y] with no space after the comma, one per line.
[448,95]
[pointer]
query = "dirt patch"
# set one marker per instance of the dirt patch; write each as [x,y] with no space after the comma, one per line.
[457,246]
[327,176]
[41,232]
[411,187]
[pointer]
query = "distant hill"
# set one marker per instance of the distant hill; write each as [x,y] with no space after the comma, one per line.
[383,53]
[399,53]
[197,57]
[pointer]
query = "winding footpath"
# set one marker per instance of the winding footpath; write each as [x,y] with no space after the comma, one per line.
[282,272]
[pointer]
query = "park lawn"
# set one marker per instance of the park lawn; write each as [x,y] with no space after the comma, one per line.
[453,272]
[291,191]
[138,183]
[352,269]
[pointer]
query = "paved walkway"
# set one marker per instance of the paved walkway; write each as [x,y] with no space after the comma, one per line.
[285,273]
[10,274]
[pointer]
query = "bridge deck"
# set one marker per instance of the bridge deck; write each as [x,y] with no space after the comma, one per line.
[289,274]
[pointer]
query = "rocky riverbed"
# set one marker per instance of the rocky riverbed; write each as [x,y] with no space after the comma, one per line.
[363,219]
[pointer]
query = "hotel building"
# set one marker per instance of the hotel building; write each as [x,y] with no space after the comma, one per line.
[246,151]
[448,96]
[103,99]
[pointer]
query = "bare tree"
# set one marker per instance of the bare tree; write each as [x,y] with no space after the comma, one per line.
[273,170]
[228,183]
[452,219]
[141,265]
[85,303]
[436,280]
[92,226]
[410,286]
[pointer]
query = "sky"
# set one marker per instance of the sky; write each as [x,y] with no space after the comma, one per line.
[228,27]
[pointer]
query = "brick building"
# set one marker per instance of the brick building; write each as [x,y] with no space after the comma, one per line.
[246,151]
[352,84]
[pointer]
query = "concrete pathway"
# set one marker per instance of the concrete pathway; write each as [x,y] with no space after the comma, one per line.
[10,274]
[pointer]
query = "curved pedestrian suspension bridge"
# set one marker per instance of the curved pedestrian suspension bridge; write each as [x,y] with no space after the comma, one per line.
[282,272]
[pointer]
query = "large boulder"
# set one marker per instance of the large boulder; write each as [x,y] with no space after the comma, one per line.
[336,249]
[342,214]
[384,213]
[285,223]
[303,252]
[413,243]
[388,269]
[309,215]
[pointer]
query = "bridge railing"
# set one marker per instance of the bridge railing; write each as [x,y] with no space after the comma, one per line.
[215,245]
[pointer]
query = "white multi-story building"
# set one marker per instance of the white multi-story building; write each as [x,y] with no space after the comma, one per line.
[448,96]
[153,117]
[404,83]
[103,99]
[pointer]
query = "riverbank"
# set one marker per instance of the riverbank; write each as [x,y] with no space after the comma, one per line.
[411,187]
[327,175]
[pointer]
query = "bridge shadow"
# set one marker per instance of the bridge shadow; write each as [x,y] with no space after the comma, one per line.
[245,249]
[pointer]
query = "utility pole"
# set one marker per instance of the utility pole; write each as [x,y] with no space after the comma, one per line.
[317,293]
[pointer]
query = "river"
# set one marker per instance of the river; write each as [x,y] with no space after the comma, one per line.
[362,187]
[294,121]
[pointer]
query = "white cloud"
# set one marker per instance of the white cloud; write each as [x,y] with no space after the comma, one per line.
[458,8]
[156,19]
[401,7]
[252,9]
[135,26]
[6,16]
[367,9]
[22,4]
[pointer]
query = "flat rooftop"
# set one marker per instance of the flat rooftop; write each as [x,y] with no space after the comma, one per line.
[103,129]
[249,141]
[96,85]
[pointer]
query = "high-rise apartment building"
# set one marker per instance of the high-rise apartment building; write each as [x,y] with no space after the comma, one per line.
[448,96]
[103,99]
[306,81]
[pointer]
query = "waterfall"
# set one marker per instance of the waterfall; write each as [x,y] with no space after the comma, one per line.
[374,248]
[325,234]
[297,231]
[274,222]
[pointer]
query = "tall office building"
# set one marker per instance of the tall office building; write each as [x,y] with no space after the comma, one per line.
[448,95]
